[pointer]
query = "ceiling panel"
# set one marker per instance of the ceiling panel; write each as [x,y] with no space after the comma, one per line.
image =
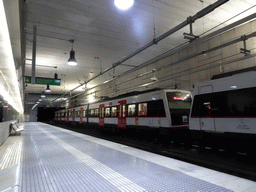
[103,34]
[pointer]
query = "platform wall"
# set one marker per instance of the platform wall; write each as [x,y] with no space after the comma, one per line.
[181,69]
[4,131]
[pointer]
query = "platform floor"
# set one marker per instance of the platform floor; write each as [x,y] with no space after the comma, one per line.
[55,159]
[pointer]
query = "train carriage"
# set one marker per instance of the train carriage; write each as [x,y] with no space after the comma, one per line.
[225,106]
[163,109]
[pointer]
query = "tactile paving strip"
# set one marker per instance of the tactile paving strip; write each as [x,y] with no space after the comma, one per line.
[10,151]
[49,166]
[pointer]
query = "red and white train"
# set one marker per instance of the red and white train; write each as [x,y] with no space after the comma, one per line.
[226,106]
[162,109]
[223,110]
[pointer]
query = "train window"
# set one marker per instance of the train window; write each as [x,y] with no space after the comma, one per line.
[142,109]
[96,112]
[179,100]
[155,108]
[114,111]
[131,110]
[235,103]
[84,113]
[78,113]
[107,112]
[92,112]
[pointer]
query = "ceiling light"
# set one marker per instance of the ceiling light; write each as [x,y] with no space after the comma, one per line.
[48,90]
[124,4]
[72,60]
[43,95]
[9,65]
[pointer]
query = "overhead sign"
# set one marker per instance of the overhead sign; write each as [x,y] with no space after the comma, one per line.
[43,81]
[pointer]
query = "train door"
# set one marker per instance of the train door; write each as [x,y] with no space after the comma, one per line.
[68,116]
[81,115]
[122,114]
[101,115]
[60,115]
[87,114]
[207,123]
[156,122]
[74,114]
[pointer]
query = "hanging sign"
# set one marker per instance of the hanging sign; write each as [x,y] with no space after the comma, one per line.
[43,81]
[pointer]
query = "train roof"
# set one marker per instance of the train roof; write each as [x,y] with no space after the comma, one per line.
[228,74]
[133,93]
[239,79]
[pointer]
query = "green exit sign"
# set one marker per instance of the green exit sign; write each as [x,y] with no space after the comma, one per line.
[43,81]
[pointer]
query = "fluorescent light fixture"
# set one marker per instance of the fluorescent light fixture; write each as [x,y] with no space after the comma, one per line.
[9,98]
[13,95]
[91,98]
[233,87]
[34,106]
[124,4]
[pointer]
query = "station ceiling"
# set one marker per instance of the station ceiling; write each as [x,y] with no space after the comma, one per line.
[104,35]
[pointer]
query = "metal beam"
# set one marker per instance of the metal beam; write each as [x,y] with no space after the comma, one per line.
[188,44]
[198,15]
[33,74]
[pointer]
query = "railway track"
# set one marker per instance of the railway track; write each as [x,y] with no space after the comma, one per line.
[231,162]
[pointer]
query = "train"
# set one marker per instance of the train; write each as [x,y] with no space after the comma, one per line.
[220,111]
[225,107]
[157,109]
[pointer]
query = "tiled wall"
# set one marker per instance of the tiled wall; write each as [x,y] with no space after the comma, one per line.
[173,70]
[4,131]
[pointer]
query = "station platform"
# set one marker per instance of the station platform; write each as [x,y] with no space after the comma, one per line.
[47,158]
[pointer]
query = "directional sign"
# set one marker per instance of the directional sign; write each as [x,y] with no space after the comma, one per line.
[43,81]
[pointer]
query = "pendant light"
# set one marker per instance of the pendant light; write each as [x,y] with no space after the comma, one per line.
[43,95]
[48,90]
[72,60]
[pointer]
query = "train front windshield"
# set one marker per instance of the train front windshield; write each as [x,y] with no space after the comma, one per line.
[179,105]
